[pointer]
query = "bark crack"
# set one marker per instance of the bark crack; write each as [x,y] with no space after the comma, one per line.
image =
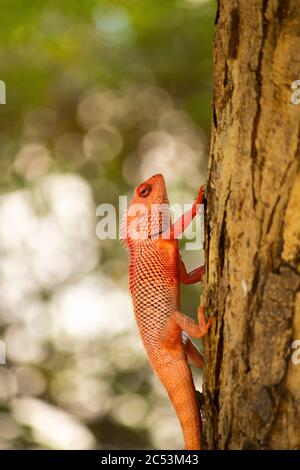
[234,35]
[258,86]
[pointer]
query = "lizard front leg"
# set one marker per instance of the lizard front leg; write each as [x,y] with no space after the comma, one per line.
[184,221]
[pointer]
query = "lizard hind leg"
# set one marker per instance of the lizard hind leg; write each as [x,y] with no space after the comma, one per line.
[193,354]
[180,321]
[175,373]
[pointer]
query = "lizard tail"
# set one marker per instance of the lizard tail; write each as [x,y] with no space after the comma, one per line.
[178,382]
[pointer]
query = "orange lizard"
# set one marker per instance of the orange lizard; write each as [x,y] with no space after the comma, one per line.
[156,271]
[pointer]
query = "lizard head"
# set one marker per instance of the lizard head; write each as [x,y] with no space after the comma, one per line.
[148,214]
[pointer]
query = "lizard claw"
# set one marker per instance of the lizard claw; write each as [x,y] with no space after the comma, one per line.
[203,323]
[201,194]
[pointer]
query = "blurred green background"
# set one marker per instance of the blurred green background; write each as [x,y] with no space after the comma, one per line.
[100,96]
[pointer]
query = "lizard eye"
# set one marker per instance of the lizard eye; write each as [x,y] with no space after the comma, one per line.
[145,190]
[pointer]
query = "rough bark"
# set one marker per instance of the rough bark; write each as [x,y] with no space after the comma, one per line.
[251,387]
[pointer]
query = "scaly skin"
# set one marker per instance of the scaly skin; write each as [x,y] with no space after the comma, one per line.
[156,271]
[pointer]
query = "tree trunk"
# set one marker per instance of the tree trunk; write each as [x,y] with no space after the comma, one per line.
[251,385]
